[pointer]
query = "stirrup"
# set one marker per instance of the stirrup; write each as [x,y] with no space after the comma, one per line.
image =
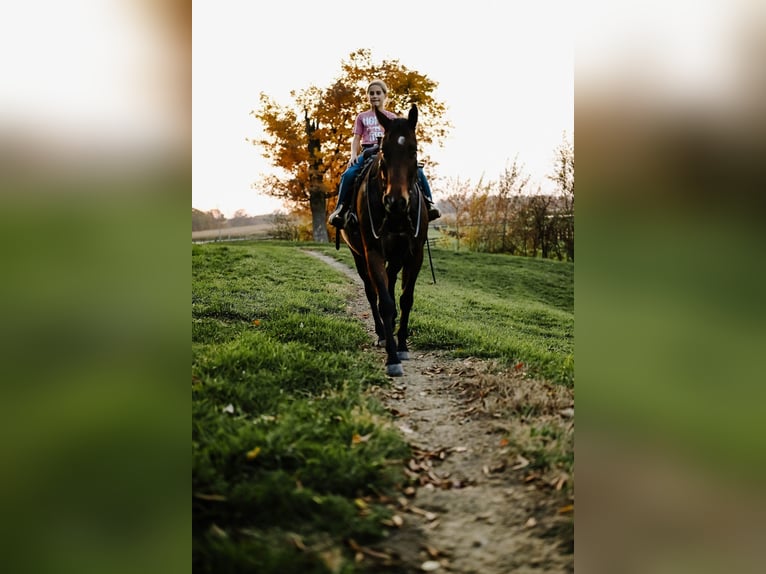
[338,217]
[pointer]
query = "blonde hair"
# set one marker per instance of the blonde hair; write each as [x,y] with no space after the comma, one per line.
[380,83]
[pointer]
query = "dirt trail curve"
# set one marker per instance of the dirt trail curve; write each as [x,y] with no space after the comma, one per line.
[476,504]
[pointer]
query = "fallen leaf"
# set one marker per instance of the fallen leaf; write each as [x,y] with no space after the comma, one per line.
[531,522]
[567,508]
[503,442]
[296,540]
[357,438]
[210,497]
[430,516]
[257,322]
[434,477]
[253,453]
[521,462]
[368,551]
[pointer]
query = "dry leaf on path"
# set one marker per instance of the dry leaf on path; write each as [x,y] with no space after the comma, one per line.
[521,462]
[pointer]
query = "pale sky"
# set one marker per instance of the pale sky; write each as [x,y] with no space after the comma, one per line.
[98,77]
[504,69]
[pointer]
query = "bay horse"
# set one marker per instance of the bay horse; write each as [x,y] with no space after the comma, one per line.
[392,227]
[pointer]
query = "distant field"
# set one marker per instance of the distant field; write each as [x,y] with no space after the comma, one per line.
[254,231]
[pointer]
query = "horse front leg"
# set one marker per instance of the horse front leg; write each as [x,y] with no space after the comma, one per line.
[372,298]
[387,308]
[392,270]
[409,276]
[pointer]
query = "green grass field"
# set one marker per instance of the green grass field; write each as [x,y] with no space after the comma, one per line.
[515,309]
[280,476]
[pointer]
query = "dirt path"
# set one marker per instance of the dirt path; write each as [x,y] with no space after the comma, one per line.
[479,501]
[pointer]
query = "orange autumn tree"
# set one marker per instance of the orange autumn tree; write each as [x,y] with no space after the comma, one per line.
[310,137]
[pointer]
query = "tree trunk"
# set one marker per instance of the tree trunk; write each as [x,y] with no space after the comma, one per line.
[319,216]
[317,196]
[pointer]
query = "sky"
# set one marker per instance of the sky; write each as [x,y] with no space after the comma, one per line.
[505,71]
[96,78]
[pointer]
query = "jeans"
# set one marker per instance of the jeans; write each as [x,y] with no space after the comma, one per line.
[348,177]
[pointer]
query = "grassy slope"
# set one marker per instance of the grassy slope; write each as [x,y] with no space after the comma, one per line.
[278,391]
[512,308]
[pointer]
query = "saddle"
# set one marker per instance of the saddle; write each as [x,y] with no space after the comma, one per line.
[369,156]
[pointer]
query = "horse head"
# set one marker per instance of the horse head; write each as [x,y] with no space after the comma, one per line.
[399,160]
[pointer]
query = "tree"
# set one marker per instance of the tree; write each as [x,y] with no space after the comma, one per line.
[510,190]
[202,220]
[478,211]
[563,177]
[458,200]
[310,138]
[540,223]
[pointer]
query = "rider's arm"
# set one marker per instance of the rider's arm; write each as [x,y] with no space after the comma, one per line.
[356,146]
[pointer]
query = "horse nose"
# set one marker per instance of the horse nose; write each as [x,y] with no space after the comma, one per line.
[394,203]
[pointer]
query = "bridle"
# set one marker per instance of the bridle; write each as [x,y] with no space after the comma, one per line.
[376,233]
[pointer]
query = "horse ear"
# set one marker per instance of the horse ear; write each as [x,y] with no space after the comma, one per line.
[382,119]
[412,117]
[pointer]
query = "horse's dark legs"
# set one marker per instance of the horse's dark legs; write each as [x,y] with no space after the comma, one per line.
[372,297]
[387,308]
[409,276]
[393,270]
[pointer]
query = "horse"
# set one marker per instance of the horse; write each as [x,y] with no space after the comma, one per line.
[391,230]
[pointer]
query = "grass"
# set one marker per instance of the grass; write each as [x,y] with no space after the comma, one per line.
[281,480]
[278,399]
[514,309]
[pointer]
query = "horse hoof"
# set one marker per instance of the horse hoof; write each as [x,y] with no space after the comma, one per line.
[403,355]
[394,370]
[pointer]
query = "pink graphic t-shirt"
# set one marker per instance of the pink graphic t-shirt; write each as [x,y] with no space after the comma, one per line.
[367,126]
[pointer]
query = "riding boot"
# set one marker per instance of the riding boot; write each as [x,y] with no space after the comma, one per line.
[433,212]
[338,217]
